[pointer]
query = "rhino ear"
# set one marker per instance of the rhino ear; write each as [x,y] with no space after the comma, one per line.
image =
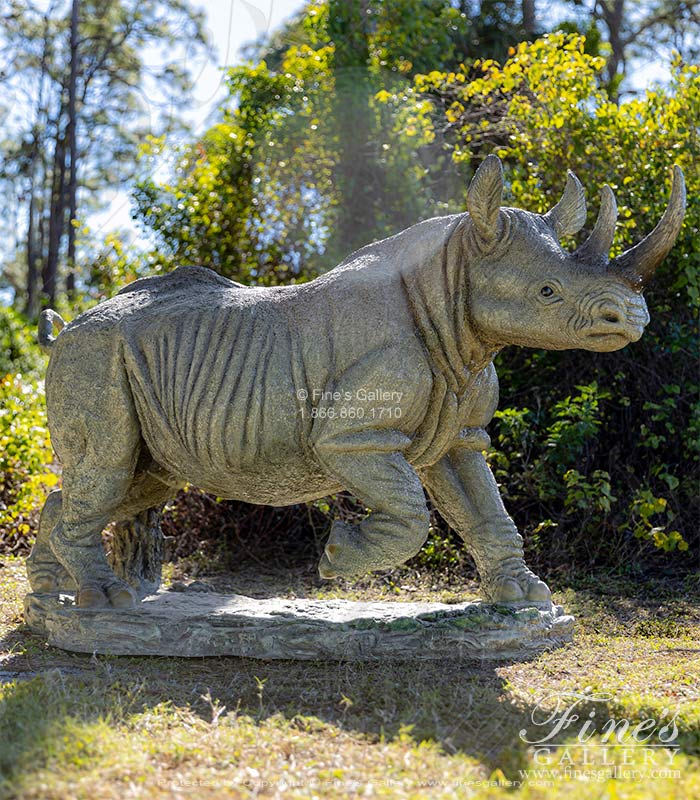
[484,199]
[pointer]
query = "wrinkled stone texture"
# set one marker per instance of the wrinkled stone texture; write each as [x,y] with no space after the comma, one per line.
[171,624]
[376,377]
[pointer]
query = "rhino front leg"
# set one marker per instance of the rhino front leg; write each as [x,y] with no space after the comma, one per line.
[397,526]
[465,493]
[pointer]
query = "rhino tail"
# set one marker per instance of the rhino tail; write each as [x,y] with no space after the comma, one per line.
[48,320]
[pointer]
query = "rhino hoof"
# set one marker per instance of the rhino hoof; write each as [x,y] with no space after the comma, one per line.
[325,568]
[115,595]
[509,589]
[538,591]
[91,597]
[44,583]
[46,575]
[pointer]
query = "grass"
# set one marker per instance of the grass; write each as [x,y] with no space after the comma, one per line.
[81,726]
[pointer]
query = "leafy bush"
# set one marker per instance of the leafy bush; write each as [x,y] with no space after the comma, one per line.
[25,460]
[597,455]
[19,351]
[25,449]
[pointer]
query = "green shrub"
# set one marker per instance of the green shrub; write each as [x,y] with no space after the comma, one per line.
[25,460]
[19,351]
[596,454]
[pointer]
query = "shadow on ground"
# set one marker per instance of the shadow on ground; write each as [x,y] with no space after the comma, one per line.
[466,707]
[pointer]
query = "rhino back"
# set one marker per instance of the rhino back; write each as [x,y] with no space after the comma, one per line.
[208,367]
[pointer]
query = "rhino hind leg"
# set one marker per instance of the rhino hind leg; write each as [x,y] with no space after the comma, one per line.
[77,543]
[133,501]
[99,450]
[137,546]
[46,573]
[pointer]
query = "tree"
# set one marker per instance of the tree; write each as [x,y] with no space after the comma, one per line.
[80,70]
[322,171]
[261,198]
[529,18]
[638,29]
[72,189]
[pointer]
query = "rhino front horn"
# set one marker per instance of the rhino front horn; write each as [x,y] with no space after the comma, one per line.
[638,264]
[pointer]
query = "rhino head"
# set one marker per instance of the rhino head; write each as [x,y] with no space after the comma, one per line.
[526,290]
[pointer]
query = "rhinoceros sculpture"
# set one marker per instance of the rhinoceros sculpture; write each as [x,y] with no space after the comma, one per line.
[376,377]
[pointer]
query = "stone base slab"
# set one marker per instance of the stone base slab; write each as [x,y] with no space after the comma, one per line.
[195,625]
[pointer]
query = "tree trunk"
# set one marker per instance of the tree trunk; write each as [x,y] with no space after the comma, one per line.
[358,173]
[612,13]
[57,218]
[35,227]
[72,148]
[529,18]
[32,285]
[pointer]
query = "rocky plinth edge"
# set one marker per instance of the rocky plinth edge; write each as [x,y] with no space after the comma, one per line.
[192,624]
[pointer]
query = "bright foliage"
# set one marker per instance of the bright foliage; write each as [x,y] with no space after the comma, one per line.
[25,459]
[597,455]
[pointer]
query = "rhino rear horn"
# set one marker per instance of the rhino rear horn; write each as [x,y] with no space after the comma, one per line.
[597,247]
[484,199]
[638,264]
[569,214]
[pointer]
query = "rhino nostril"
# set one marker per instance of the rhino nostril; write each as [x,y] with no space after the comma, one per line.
[611,317]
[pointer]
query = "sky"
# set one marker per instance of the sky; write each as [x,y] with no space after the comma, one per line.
[231,24]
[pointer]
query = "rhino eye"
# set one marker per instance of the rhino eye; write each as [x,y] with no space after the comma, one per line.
[546,291]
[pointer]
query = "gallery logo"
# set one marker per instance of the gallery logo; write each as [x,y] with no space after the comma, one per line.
[262,18]
[587,714]
[577,736]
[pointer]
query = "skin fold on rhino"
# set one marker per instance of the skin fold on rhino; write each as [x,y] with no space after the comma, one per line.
[376,377]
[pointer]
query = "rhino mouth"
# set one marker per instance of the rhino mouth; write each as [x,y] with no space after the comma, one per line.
[617,326]
[617,336]
[600,337]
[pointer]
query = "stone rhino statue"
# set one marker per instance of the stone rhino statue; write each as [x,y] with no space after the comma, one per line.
[376,377]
